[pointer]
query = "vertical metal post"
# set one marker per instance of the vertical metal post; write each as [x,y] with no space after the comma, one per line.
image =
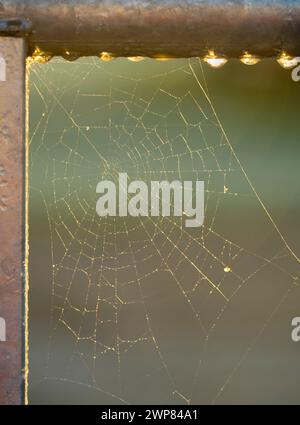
[12,135]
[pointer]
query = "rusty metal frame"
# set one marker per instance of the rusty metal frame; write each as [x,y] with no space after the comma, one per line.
[176,28]
[73,28]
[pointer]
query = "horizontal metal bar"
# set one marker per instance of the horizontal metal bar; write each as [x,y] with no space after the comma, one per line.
[15,27]
[176,28]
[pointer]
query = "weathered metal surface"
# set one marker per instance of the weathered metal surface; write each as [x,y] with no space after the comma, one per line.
[179,28]
[15,27]
[12,51]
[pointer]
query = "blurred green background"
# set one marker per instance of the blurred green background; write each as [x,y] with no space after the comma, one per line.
[144,310]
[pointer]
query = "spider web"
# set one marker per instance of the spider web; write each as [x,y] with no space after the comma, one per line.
[142,309]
